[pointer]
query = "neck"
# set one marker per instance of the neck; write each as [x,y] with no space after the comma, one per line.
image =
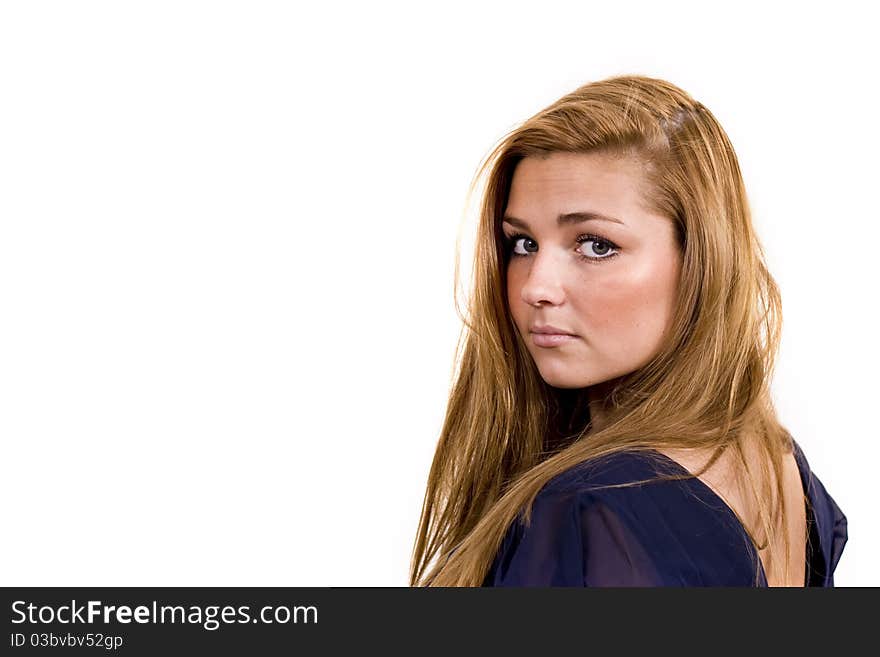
[597,396]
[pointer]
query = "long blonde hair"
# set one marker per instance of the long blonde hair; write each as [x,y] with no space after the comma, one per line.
[506,432]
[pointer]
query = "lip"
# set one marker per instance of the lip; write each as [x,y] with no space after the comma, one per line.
[550,336]
[552,339]
[549,329]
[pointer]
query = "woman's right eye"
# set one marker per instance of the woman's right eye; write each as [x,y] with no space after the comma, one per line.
[522,245]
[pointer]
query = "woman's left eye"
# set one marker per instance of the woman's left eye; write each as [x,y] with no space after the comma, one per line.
[599,250]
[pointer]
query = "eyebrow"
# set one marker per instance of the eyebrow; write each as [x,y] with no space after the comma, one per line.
[566,219]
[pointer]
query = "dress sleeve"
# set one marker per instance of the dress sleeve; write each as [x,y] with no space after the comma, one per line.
[573,539]
[841,534]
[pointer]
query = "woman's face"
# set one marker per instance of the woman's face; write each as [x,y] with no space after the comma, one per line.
[610,281]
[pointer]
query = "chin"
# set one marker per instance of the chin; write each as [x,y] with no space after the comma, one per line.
[564,378]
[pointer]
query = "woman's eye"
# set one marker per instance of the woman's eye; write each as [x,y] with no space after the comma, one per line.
[597,249]
[529,245]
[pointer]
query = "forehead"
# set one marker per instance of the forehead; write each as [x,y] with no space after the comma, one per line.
[543,187]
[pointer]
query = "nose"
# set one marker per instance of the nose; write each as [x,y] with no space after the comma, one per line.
[543,283]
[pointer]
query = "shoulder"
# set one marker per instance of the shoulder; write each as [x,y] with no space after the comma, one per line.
[626,468]
[648,493]
[611,522]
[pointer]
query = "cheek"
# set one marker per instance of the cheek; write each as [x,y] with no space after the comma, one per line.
[633,306]
[514,300]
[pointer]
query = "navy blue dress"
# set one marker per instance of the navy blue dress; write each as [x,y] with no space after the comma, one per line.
[667,533]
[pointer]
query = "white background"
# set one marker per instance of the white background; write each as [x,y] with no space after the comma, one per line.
[227,237]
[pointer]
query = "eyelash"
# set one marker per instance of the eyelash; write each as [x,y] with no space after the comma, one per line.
[511,241]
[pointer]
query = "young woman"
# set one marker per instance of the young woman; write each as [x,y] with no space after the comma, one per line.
[611,421]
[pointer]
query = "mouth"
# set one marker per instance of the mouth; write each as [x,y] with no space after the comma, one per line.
[541,339]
